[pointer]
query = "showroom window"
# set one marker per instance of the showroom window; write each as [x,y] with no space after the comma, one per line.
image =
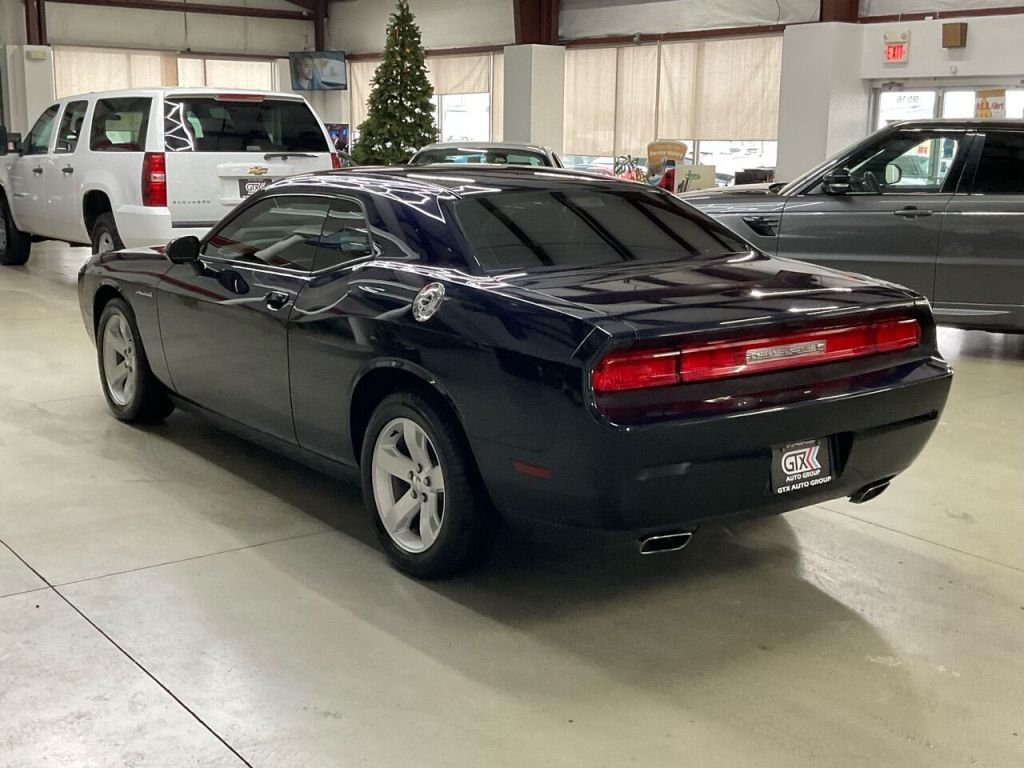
[83,70]
[893,104]
[720,97]
[467,94]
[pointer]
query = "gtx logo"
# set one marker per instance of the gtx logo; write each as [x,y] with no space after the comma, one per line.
[763,354]
[801,460]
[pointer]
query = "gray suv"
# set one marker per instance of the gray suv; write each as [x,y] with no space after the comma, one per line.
[935,205]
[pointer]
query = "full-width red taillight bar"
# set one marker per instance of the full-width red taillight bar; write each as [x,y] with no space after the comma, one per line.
[664,366]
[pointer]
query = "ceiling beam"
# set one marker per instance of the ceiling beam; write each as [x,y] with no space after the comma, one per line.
[210,8]
[536,21]
[839,10]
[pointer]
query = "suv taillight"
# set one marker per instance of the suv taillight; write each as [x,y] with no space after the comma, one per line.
[154,179]
[664,366]
[335,160]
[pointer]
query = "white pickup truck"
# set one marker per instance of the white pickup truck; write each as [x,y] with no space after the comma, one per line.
[140,167]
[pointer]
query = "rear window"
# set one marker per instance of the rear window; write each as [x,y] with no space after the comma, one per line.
[492,156]
[119,125]
[209,124]
[533,230]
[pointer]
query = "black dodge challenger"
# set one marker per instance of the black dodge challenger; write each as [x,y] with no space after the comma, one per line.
[521,342]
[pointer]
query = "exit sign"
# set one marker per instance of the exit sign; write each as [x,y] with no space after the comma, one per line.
[897,47]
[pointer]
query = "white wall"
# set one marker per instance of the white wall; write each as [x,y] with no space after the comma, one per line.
[828,71]
[28,84]
[534,92]
[599,18]
[993,49]
[359,26]
[127,28]
[824,102]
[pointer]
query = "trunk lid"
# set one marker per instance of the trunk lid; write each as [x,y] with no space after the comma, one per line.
[719,295]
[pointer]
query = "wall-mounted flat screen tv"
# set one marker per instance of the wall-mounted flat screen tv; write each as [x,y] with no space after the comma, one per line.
[318,70]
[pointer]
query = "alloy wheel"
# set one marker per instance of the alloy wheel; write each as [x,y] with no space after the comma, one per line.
[120,367]
[408,485]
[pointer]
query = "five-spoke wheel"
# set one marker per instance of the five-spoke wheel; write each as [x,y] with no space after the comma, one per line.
[132,391]
[419,479]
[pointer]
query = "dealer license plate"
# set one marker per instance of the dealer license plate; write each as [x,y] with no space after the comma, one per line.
[802,466]
[248,187]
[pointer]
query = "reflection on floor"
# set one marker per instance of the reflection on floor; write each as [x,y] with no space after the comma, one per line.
[174,596]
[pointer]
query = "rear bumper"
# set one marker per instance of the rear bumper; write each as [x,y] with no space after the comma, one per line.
[141,226]
[681,473]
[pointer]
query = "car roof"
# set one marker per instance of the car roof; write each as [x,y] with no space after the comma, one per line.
[182,91]
[471,145]
[978,122]
[456,180]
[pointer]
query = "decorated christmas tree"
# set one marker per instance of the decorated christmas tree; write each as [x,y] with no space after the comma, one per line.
[400,119]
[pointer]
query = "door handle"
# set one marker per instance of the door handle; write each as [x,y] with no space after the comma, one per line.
[67,169]
[37,171]
[912,212]
[276,300]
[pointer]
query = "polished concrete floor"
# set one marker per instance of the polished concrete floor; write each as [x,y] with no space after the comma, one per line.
[173,596]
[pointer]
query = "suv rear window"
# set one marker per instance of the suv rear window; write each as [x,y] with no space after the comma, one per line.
[212,124]
[533,230]
[495,156]
[119,125]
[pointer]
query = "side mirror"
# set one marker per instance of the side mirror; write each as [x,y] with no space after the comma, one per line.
[837,182]
[893,174]
[3,140]
[183,250]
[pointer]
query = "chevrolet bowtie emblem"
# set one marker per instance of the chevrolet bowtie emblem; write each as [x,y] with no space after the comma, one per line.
[258,170]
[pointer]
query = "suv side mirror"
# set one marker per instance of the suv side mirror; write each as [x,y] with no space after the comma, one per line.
[3,140]
[837,182]
[183,250]
[9,142]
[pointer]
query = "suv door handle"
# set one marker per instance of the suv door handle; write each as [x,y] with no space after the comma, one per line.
[67,169]
[276,300]
[37,171]
[912,212]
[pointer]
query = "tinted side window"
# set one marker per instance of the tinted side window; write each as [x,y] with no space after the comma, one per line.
[911,161]
[38,140]
[119,125]
[277,231]
[346,235]
[71,124]
[1001,168]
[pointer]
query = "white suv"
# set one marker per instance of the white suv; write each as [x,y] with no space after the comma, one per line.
[140,167]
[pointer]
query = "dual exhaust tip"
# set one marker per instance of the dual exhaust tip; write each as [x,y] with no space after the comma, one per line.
[674,541]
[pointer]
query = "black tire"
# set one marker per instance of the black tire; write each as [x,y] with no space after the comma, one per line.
[104,233]
[467,523]
[15,245]
[148,400]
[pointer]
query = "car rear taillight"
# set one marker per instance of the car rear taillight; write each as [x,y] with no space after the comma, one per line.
[335,160]
[664,366]
[154,179]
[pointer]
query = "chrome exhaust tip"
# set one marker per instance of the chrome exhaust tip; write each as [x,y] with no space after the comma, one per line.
[664,542]
[870,491]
